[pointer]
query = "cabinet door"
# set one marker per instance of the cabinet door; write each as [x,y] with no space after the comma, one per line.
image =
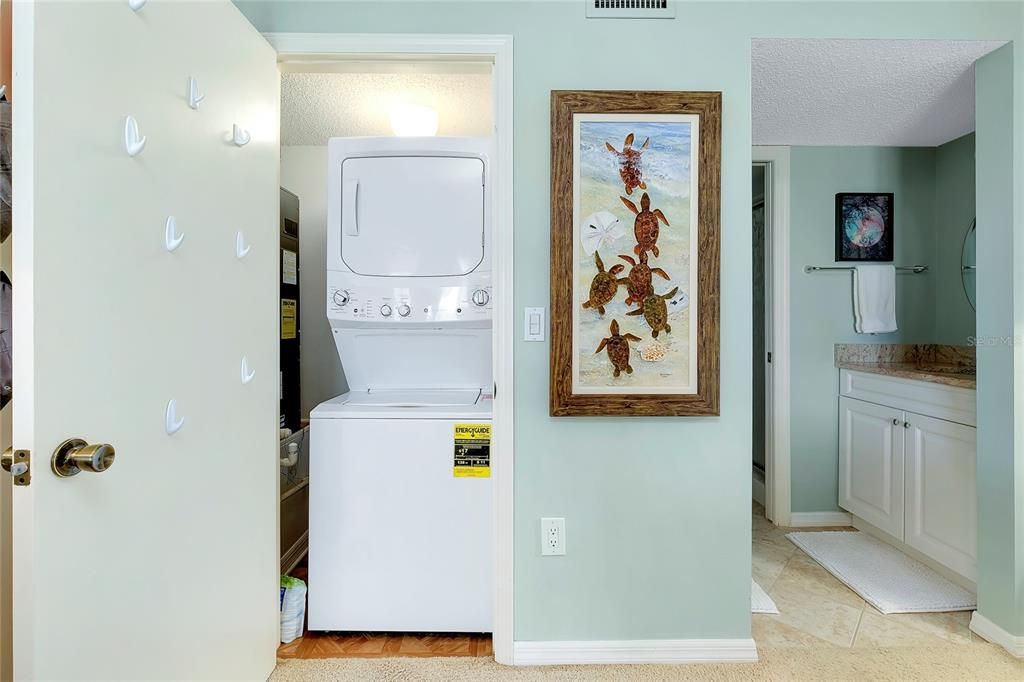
[871,463]
[941,496]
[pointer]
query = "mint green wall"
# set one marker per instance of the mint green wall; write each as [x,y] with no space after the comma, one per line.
[935,202]
[657,510]
[1000,316]
[821,307]
[954,211]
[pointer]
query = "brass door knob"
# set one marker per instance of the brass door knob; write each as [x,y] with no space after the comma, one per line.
[75,455]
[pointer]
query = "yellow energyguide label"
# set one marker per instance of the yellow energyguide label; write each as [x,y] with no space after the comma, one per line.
[288,306]
[472,451]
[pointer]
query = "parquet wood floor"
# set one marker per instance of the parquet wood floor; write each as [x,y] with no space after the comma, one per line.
[382,644]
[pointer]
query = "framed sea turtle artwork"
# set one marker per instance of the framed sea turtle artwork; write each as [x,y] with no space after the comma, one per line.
[635,187]
[864,227]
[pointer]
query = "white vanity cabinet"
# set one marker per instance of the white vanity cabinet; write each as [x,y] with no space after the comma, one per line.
[941,513]
[871,463]
[907,463]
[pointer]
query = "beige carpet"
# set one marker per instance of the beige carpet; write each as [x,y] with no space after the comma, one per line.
[980,661]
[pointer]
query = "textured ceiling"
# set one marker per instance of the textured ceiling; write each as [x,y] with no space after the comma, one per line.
[863,92]
[318,106]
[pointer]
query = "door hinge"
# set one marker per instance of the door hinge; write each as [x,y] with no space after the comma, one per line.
[18,463]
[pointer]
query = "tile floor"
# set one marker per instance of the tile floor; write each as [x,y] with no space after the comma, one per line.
[382,644]
[817,610]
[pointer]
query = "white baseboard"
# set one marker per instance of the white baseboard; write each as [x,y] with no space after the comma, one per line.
[819,519]
[636,651]
[995,634]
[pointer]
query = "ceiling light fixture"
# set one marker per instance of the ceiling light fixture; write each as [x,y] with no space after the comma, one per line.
[414,120]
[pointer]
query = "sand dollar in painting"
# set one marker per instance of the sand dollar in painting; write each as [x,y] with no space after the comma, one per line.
[635,253]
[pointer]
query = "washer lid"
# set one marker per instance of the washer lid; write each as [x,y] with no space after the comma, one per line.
[412,216]
[415,398]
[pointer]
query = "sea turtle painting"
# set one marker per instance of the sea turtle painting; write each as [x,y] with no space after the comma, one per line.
[629,163]
[655,312]
[645,227]
[618,349]
[638,282]
[627,224]
[604,285]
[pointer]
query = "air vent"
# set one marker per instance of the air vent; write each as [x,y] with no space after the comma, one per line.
[631,9]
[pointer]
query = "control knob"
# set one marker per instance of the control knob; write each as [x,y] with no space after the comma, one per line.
[404,310]
[385,310]
[341,297]
[481,297]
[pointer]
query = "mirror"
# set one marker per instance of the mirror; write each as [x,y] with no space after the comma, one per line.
[968,264]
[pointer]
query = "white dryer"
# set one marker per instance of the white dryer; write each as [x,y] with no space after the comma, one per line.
[400,526]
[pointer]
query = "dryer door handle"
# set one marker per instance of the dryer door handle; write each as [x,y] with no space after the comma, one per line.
[350,207]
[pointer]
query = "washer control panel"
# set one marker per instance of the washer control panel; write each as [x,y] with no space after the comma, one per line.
[405,305]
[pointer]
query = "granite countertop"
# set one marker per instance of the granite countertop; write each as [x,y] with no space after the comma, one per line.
[937,374]
[949,365]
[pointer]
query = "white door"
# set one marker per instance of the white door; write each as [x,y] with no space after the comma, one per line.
[941,495]
[871,463]
[164,566]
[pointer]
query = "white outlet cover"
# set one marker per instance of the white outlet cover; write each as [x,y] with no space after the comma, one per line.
[552,536]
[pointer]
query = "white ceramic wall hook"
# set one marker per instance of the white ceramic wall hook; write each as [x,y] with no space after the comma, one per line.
[136,5]
[241,248]
[194,98]
[240,135]
[133,142]
[172,238]
[172,422]
[247,374]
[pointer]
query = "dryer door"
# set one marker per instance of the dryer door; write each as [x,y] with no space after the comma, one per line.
[412,216]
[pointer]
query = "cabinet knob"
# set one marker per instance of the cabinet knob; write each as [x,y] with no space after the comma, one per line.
[895,422]
[906,425]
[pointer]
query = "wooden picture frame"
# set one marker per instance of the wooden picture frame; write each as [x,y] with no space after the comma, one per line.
[596,234]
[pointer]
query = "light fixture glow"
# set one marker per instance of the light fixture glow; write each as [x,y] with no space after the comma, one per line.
[413,120]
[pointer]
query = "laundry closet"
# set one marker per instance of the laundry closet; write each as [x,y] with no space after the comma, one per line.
[389,161]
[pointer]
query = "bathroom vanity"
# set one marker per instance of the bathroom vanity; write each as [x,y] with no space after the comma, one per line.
[907,451]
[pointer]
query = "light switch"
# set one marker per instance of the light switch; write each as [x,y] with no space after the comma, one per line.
[533,324]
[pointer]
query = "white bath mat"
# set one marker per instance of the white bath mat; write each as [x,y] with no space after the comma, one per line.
[760,602]
[882,575]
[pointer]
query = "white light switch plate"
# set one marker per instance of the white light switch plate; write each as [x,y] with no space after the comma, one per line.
[533,324]
[552,537]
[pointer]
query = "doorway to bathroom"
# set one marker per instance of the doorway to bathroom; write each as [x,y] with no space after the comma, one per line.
[863,284]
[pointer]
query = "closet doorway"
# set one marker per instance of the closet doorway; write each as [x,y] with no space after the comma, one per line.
[770,314]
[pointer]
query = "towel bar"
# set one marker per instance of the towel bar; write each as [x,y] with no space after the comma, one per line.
[915,269]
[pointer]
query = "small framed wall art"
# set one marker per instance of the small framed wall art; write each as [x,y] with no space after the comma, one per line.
[864,227]
[635,184]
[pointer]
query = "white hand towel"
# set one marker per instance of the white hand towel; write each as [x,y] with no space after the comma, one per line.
[874,299]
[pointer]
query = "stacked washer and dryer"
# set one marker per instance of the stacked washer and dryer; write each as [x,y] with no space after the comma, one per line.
[397,541]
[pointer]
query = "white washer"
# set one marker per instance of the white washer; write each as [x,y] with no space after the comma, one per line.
[398,542]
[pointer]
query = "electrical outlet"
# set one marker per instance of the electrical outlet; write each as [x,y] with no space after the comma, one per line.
[552,537]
